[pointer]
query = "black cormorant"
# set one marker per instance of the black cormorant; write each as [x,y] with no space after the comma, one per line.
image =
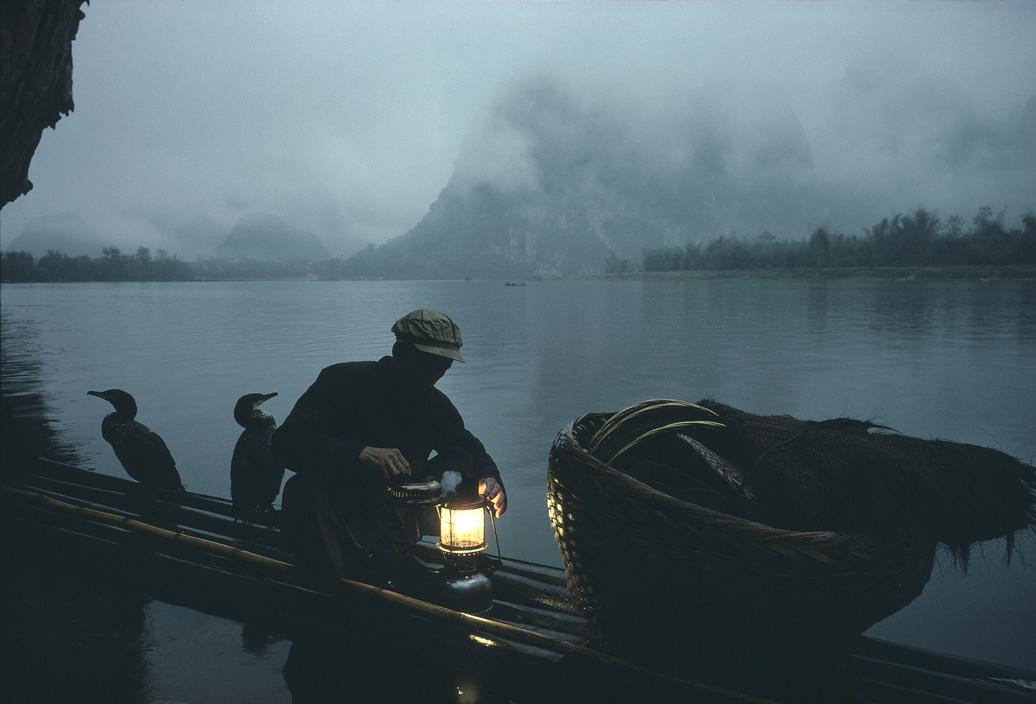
[255,476]
[141,451]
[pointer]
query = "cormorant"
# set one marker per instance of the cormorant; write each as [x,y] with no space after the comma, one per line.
[255,476]
[142,453]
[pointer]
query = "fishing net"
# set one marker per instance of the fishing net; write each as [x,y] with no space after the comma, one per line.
[841,475]
[757,538]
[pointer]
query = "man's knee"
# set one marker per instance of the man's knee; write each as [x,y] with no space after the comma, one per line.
[299,495]
[298,511]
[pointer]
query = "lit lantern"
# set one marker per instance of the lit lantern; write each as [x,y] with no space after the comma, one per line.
[462,527]
[462,538]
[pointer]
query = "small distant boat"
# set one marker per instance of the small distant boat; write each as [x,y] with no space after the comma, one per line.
[188,548]
[514,283]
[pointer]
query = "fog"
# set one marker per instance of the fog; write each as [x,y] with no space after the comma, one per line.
[349,120]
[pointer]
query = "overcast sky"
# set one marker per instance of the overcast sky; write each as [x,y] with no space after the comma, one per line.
[347,119]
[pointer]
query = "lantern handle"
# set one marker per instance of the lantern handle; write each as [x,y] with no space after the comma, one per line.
[496,536]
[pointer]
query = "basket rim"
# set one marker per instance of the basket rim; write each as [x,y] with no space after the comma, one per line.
[565,442]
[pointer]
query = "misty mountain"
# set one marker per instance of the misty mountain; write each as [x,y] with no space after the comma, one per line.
[63,232]
[187,235]
[548,186]
[268,237]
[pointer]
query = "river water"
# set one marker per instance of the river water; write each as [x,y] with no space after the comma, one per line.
[948,359]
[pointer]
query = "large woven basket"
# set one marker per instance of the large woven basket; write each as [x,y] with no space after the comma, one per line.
[661,575]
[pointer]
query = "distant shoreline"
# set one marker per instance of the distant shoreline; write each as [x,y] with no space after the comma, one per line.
[979,272]
[899,273]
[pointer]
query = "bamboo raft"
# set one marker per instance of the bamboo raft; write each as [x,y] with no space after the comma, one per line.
[189,549]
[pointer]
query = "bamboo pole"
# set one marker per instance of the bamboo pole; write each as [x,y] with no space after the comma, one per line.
[481,623]
[198,518]
[204,502]
[139,526]
[190,503]
[63,481]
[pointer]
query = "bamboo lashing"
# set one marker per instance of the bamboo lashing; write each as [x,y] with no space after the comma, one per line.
[498,628]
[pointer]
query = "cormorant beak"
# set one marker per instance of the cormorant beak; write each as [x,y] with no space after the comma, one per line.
[98,394]
[264,398]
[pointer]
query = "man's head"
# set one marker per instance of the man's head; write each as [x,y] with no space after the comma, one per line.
[427,343]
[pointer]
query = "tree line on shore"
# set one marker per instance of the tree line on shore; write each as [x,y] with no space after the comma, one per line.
[912,240]
[917,239]
[113,265]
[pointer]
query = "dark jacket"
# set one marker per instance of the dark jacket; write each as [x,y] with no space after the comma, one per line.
[358,404]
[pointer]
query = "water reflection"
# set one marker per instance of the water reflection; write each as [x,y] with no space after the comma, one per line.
[26,429]
[256,640]
[375,663]
[73,628]
[70,633]
[322,669]
[938,359]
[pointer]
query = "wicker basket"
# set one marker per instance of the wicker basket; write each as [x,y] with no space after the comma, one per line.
[661,575]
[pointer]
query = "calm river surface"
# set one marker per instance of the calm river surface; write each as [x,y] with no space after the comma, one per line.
[948,359]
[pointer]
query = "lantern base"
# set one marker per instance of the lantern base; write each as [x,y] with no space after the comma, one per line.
[466,562]
[469,591]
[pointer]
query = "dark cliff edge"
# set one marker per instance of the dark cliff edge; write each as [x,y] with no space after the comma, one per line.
[35,82]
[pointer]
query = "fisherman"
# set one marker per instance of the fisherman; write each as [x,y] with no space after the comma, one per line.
[363,426]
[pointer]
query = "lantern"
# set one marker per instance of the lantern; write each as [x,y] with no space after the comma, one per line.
[411,501]
[462,538]
[462,527]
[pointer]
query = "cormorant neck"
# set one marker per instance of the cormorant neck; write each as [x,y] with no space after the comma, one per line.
[126,413]
[253,419]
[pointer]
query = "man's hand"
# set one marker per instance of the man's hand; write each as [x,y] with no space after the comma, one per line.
[491,489]
[387,460]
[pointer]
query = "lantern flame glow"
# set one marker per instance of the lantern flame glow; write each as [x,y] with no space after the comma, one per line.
[462,528]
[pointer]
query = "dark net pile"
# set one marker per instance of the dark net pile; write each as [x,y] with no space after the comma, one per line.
[845,475]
